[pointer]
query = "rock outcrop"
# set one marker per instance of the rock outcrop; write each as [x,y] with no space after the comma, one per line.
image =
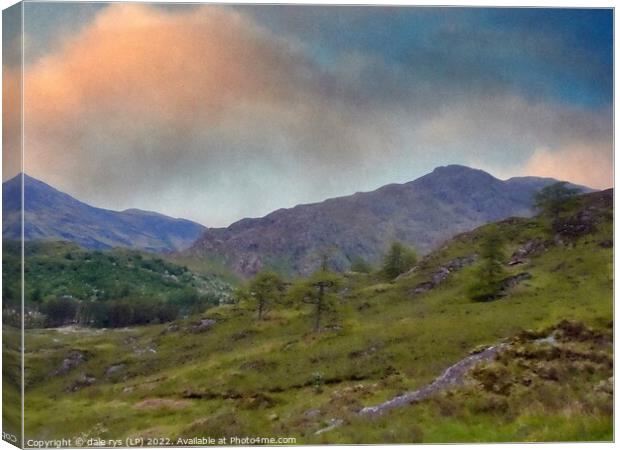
[442,273]
[530,248]
[74,359]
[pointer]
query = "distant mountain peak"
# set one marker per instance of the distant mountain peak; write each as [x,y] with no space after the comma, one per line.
[457,170]
[422,213]
[53,215]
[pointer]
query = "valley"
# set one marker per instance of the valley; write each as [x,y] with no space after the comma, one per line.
[222,372]
[230,224]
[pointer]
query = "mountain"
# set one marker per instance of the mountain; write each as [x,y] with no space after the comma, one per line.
[423,213]
[54,215]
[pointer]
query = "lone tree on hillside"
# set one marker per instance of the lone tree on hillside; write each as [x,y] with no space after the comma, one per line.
[398,260]
[490,274]
[556,199]
[318,290]
[265,288]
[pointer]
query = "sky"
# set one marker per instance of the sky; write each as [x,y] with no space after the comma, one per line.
[219,112]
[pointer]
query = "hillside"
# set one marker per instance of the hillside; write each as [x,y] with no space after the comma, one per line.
[57,272]
[54,215]
[222,373]
[422,213]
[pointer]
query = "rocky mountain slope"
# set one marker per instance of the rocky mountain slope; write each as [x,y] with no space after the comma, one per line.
[54,215]
[422,213]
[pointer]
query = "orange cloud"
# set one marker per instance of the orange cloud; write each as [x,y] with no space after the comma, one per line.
[183,67]
[139,68]
[581,165]
[143,93]
[11,120]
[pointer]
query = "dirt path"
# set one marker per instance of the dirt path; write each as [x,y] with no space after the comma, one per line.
[453,376]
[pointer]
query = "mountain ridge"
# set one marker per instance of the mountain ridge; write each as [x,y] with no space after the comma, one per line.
[422,212]
[54,215]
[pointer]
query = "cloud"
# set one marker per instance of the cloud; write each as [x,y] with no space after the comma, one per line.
[507,130]
[200,112]
[11,118]
[582,165]
[145,100]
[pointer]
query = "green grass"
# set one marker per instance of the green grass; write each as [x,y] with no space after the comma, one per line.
[242,377]
[11,381]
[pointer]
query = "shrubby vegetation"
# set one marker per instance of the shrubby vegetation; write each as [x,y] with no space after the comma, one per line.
[71,285]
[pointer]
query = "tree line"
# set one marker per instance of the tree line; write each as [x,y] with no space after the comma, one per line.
[132,310]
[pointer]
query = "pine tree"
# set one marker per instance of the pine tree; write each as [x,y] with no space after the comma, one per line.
[398,260]
[320,291]
[265,289]
[490,273]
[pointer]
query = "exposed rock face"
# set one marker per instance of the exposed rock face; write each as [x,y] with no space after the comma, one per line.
[528,351]
[203,325]
[333,423]
[594,207]
[514,280]
[528,249]
[422,213]
[114,369]
[421,288]
[172,328]
[578,225]
[82,382]
[74,359]
[442,273]
[452,376]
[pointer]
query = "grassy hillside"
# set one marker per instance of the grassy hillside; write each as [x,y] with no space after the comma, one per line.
[223,373]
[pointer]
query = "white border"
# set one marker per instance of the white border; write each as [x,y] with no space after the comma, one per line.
[479,3]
